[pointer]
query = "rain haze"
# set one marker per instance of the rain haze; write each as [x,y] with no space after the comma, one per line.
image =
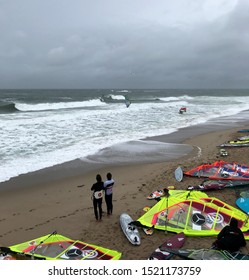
[124,44]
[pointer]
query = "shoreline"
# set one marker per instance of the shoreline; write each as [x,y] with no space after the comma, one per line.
[78,167]
[38,207]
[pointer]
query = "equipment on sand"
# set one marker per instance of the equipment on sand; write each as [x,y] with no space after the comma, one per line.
[236,143]
[243,130]
[220,170]
[158,193]
[155,194]
[130,230]
[223,153]
[161,253]
[207,185]
[243,204]
[148,231]
[58,247]
[246,137]
[194,213]
[208,254]
[245,194]
[179,174]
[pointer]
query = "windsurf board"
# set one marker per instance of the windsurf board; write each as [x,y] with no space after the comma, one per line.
[243,204]
[130,231]
[208,254]
[155,194]
[246,137]
[158,193]
[245,194]
[148,231]
[161,252]
[210,185]
[243,130]
[179,174]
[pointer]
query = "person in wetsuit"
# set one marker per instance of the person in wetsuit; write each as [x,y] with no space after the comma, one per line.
[230,237]
[97,189]
[108,187]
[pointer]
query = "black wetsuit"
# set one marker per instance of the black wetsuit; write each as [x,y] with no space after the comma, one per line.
[230,238]
[97,202]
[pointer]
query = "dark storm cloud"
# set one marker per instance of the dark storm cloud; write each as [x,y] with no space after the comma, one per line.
[124,44]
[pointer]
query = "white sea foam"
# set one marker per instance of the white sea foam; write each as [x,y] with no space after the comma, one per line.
[59,105]
[44,134]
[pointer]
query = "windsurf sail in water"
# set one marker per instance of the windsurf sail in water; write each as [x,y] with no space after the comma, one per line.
[220,170]
[58,247]
[194,214]
[182,110]
[127,101]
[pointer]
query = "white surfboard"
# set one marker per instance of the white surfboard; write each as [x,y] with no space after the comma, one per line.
[179,174]
[130,231]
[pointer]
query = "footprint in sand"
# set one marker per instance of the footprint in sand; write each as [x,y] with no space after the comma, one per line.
[16,214]
[29,229]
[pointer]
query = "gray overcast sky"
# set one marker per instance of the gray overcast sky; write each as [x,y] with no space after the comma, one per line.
[124,44]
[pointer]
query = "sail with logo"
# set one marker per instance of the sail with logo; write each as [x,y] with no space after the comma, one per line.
[193,213]
[220,170]
[57,247]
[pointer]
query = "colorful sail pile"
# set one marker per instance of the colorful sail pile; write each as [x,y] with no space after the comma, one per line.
[194,214]
[220,170]
[58,247]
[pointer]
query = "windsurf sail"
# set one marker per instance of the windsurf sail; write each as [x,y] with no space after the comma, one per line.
[182,110]
[58,247]
[194,214]
[207,184]
[220,170]
[236,143]
[246,137]
[127,101]
[207,254]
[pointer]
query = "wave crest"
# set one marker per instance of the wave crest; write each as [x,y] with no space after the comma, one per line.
[6,108]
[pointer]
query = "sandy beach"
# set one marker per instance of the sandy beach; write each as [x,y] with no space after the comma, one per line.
[36,205]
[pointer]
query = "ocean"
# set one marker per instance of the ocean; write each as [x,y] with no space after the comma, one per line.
[44,128]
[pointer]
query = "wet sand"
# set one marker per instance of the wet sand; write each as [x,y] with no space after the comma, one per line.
[59,198]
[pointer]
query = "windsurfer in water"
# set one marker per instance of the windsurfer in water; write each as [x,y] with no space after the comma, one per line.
[230,237]
[97,189]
